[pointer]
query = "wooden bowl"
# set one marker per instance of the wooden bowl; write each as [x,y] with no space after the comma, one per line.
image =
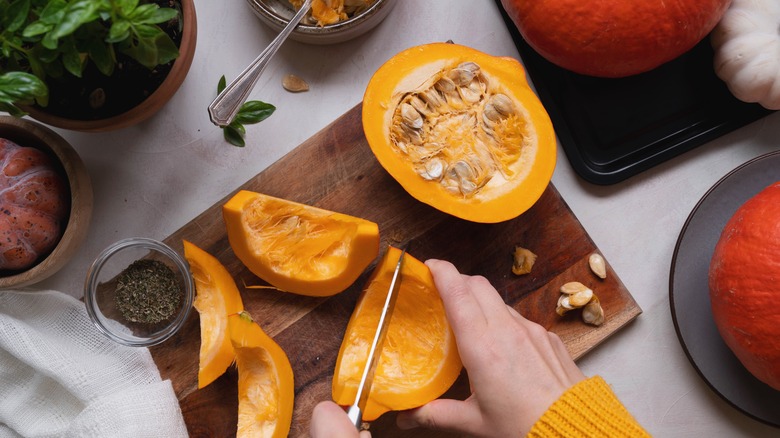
[152,104]
[28,133]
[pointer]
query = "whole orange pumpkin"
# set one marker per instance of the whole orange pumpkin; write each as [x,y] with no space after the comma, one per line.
[744,282]
[613,38]
[34,205]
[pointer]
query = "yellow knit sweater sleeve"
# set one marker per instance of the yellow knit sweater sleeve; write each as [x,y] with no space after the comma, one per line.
[588,409]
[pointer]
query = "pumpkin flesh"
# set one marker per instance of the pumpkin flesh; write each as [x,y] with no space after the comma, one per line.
[299,248]
[460,130]
[419,360]
[744,288]
[216,297]
[266,388]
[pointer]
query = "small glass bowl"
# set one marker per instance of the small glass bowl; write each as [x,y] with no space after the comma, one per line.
[100,292]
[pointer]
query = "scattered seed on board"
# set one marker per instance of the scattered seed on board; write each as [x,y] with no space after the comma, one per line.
[598,265]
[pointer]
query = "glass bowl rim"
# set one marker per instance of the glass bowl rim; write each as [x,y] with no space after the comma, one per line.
[91,289]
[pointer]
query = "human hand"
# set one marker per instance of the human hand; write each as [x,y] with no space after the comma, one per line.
[329,420]
[516,368]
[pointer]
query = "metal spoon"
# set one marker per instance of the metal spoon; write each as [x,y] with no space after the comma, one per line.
[226,105]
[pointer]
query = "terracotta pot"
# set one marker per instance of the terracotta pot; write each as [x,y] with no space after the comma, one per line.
[28,133]
[154,102]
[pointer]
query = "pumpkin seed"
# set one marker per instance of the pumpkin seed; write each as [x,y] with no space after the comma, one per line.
[524,261]
[482,128]
[598,265]
[294,84]
[592,313]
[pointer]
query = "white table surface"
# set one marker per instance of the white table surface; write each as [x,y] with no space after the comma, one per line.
[151,179]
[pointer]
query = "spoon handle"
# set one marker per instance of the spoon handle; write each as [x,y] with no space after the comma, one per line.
[226,105]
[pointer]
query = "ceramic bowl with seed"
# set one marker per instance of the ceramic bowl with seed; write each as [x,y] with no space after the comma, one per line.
[139,292]
[277,13]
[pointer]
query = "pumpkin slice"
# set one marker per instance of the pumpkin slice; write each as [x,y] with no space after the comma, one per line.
[216,297]
[265,381]
[460,130]
[419,360]
[299,248]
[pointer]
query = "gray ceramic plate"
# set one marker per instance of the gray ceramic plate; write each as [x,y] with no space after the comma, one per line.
[276,14]
[689,293]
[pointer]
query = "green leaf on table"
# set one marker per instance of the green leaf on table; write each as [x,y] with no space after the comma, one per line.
[254,111]
[250,112]
[234,134]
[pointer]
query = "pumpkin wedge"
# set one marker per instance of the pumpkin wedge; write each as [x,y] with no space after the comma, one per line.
[461,131]
[419,360]
[216,297]
[265,381]
[296,247]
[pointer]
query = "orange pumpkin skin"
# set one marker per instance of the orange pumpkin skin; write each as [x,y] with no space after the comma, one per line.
[34,205]
[744,282]
[613,38]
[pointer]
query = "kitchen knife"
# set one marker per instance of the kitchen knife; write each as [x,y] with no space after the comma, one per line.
[355,412]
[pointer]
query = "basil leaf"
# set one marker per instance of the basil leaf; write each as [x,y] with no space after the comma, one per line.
[221,84]
[126,6]
[53,12]
[11,109]
[19,86]
[143,12]
[101,55]
[254,111]
[234,134]
[160,15]
[119,31]
[76,14]
[145,31]
[71,58]
[166,49]
[36,28]
[17,14]
[145,52]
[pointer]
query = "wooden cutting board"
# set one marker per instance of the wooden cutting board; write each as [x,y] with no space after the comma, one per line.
[336,170]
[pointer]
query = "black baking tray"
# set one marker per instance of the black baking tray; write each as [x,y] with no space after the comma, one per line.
[611,129]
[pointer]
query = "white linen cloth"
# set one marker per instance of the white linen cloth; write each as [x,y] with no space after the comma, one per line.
[60,377]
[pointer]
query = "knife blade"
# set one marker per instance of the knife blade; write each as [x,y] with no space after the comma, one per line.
[355,411]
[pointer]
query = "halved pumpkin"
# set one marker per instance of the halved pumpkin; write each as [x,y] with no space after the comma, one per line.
[216,297]
[460,130]
[419,359]
[296,247]
[266,388]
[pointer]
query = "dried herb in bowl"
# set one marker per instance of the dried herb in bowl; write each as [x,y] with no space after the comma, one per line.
[148,292]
